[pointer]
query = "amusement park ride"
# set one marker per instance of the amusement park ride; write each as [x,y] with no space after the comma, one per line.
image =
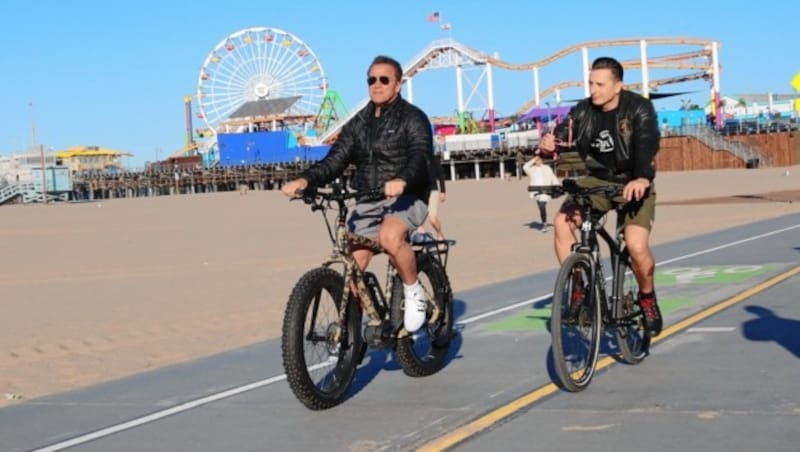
[264,89]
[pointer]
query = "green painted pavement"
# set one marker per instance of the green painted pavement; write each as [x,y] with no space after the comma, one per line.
[537,318]
[710,274]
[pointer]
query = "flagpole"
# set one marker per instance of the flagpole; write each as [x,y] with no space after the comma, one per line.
[436,17]
[33,126]
[446,26]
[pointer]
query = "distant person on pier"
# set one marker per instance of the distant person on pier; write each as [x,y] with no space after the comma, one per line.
[390,144]
[540,174]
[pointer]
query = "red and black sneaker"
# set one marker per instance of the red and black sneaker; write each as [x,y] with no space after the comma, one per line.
[652,314]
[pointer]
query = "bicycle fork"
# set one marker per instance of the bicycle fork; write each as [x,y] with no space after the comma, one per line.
[623,305]
[598,290]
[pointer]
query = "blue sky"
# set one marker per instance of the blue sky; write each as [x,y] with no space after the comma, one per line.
[114,73]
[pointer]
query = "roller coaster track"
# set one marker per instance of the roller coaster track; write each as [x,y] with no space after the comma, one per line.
[450,53]
[480,56]
[633,86]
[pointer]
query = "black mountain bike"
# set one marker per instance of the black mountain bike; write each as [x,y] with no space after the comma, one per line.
[582,307]
[323,342]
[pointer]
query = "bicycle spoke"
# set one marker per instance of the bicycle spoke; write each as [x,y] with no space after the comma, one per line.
[632,339]
[575,323]
[319,353]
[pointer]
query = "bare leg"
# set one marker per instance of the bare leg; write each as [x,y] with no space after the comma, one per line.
[437,226]
[362,257]
[392,237]
[642,261]
[565,224]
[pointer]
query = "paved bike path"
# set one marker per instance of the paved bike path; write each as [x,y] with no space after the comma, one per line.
[186,407]
[727,383]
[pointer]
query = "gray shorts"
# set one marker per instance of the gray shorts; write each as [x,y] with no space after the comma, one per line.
[365,218]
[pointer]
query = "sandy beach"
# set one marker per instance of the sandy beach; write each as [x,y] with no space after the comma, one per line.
[96,291]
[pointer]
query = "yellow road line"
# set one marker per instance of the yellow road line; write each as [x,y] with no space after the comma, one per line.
[498,414]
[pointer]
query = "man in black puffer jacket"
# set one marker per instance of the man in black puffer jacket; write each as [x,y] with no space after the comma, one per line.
[616,133]
[390,144]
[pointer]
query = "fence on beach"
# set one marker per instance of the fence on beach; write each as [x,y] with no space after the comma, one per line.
[678,153]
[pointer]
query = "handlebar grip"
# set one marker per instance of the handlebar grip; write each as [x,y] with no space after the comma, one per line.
[543,188]
[306,194]
[553,190]
[371,195]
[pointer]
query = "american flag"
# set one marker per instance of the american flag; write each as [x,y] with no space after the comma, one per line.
[433,17]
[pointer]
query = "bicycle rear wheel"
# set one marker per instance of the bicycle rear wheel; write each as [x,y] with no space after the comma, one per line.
[425,352]
[632,337]
[319,358]
[575,327]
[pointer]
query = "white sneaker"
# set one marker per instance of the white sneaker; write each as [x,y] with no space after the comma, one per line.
[414,306]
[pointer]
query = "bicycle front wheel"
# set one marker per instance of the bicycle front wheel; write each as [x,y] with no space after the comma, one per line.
[319,356]
[632,337]
[575,324]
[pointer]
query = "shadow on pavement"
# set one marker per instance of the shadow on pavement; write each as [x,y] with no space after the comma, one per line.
[769,327]
[382,359]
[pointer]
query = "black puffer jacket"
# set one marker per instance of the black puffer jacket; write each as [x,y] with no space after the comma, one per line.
[396,145]
[637,137]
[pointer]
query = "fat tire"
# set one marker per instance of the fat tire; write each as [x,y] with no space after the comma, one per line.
[293,341]
[416,362]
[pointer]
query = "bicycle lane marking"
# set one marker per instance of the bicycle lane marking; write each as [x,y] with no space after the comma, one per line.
[152,417]
[528,302]
[485,421]
[673,281]
[155,416]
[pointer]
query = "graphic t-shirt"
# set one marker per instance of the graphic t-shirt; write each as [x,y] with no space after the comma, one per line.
[605,139]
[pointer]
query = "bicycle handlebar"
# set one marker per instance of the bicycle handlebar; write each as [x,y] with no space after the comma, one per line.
[314,196]
[570,186]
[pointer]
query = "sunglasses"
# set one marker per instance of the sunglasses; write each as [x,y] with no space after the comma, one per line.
[372,79]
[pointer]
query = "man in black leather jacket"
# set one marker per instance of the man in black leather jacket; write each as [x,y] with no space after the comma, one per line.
[616,133]
[389,142]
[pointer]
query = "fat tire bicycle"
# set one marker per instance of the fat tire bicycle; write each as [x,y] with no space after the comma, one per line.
[322,340]
[582,307]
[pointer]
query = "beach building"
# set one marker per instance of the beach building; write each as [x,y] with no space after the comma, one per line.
[18,168]
[92,159]
[33,177]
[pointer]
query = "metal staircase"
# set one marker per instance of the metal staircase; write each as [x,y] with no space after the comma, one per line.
[27,192]
[717,142]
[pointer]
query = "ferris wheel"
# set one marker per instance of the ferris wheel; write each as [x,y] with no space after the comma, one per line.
[260,63]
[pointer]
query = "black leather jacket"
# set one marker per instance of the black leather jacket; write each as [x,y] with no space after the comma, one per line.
[637,137]
[399,144]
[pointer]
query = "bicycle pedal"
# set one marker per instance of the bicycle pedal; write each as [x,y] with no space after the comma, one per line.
[379,336]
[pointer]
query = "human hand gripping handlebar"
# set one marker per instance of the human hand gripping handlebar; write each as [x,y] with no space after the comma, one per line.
[317,197]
